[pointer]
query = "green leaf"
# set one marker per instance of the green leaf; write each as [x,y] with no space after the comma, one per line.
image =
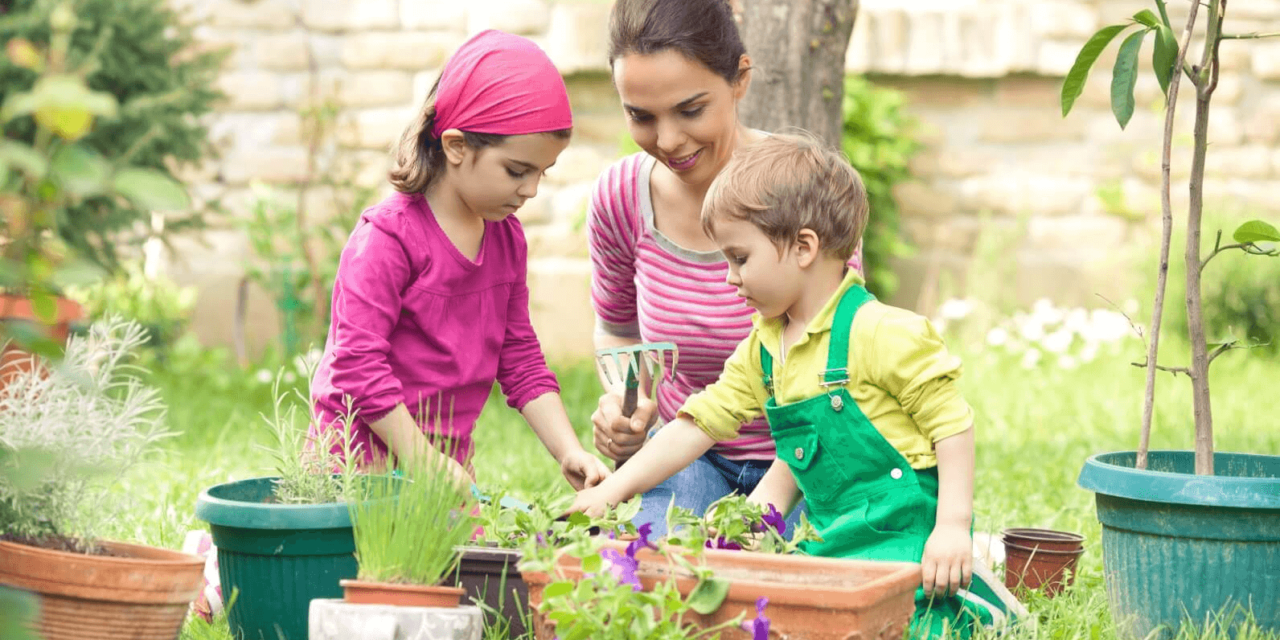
[558,589]
[1074,84]
[708,595]
[77,272]
[151,189]
[22,157]
[1256,231]
[1164,56]
[592,563]
[32,337]
[1125,76]
[79,171]
[579,519]
[1146,18]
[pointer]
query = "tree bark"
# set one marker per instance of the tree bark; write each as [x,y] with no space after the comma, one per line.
[797,50]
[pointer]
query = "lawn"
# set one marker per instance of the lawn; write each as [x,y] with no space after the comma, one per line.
[1035,428]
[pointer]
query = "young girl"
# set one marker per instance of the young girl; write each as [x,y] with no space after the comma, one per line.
[861,397]
[430,304]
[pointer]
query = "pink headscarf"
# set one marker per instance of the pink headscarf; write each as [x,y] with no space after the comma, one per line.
[501,84]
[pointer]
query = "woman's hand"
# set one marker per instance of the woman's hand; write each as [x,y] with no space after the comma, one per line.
[619,438]
[947,565]
[582,469]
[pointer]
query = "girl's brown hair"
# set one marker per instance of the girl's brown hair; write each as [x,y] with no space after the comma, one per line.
[420,155]
[701,30]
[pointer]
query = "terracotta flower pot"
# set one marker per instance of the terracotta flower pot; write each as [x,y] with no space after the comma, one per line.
[16,308]
[809,598]
[1040,568]
[1046,539]
[400,595]
[136,593]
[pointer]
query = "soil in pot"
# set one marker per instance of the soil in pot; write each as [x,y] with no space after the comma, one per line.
[400,595]
[132,592]
[1040,568]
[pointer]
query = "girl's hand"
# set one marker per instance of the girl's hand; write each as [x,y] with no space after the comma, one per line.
[592,502]
[619,438]
[582,469]
[947,565]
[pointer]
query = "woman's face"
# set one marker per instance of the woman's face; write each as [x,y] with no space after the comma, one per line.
[680,112]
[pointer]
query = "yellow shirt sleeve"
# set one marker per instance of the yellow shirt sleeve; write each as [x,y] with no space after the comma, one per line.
[911,363]
[735,398]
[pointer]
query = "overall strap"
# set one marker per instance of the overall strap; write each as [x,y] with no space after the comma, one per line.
[837,372]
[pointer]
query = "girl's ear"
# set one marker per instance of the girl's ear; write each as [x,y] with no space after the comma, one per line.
[455,146]
[744,77]
[808,247]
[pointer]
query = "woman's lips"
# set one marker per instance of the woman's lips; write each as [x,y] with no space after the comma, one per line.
[686,163]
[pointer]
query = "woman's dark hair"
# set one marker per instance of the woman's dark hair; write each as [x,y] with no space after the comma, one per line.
[420,155]
[701,30]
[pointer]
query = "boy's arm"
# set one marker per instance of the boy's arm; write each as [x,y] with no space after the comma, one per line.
[674,447]
[777,488]
[947,564]
[547,417]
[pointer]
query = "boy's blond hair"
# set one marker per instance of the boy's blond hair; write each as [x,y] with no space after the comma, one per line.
[786,183]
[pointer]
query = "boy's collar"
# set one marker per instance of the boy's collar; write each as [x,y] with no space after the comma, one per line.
[822,321]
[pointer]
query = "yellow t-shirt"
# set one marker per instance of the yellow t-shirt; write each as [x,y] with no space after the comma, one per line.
[900,374]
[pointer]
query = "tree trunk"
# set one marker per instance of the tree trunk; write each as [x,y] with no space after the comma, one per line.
[797,50]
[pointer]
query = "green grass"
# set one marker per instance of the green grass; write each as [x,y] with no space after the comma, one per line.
[1035,428]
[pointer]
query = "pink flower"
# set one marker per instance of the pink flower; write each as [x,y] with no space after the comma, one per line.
[759,627]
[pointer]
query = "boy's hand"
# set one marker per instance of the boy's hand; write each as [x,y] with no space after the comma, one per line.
[592,502]
[947,565]
[619,438]
[582,469]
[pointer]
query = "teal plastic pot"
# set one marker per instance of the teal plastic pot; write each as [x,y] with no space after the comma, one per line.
[278,556]
[1178,547]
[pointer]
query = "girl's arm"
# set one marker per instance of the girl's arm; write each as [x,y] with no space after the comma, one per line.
[777,488]
[547,417]
[407,443]
[948,554]
[674,447]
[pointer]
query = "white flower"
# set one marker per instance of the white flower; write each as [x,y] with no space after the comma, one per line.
[1030,358]
[263,376]
[955,309]
[1058,341]
[1067,362]
[1130,306]
[290,377]
[1031,330]
[1090,352]
[1044,311]
[997,337]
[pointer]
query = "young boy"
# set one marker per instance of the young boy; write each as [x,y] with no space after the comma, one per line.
[861,397]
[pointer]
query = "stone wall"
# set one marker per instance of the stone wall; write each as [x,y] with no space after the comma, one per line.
[982,77]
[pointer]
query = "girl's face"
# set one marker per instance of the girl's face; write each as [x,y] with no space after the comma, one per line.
[493,182]
[680,112]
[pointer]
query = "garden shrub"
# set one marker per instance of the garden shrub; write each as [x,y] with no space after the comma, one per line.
[141,52]
[879,141]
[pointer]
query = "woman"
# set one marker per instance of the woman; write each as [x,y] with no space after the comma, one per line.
[680,69]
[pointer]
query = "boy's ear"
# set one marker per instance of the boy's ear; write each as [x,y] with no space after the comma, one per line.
[808,247]
[455,146]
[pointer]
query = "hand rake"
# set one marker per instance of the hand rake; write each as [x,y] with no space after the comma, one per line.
[651,355]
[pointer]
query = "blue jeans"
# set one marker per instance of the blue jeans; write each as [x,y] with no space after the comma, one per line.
[704,481]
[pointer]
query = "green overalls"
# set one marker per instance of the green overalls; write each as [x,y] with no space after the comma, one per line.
[863,497]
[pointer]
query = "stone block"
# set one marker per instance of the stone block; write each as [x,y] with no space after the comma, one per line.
[337,16]
[1029,91]
[409,50]
[433,16]
[230,131]
[376,89]
[1016,193]
[927,46]
[1263,123]
[1075,235]
[888,36]
[1249,161]
[378,128]
[560,306]
[1030,126]
[423,81]
[338,620]
[1056,57]
[272,164]
[1224,126]
[925,199]
[1066,20]
[577,37]
[251,90]
[251,14]
[593,93]
[1254,10]
[283,52]
[1275,163]
[935,92]
[956,235]
[581,162]
[1266,59]
[1236,55]
[521,17]
[556,241]
[569,203]
[236,45]
[951,163]
[536,211]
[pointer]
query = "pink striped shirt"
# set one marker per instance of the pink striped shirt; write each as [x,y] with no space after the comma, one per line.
[645,286]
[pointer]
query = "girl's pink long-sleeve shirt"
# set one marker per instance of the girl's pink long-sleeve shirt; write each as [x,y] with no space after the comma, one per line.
[417,322]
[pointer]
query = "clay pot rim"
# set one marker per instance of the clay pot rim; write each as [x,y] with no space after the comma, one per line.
[1042,551]
[1042,535]
[397,586]
[153,575]
[140,554]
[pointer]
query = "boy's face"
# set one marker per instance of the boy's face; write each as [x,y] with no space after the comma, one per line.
[770,283]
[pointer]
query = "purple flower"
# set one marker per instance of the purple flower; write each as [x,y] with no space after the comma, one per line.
[759,627]
[721,543]
[623,566]
[642,542]
[774,520]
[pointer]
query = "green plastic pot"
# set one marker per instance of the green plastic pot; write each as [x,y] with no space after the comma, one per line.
[1181,547]
[279,557]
